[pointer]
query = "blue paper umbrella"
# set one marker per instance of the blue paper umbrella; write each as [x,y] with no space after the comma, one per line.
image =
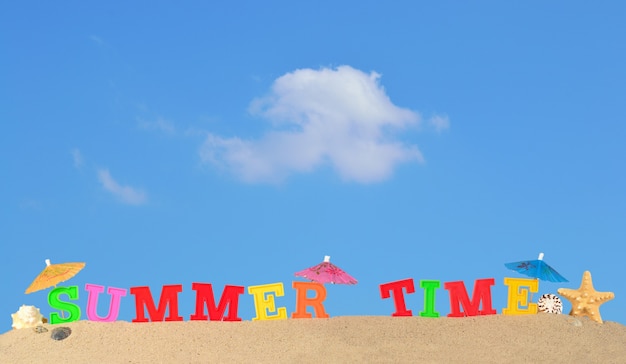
[537,269]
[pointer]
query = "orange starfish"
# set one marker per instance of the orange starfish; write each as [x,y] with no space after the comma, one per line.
[586,300]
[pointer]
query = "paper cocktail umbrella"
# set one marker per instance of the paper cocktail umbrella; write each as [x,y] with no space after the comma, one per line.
[54,274]
[326,272]
[537,269]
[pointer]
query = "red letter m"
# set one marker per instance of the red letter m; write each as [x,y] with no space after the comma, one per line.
[169,295]
[458,294]
[230,298]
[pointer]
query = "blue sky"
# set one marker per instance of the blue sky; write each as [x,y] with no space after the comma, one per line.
[240,143]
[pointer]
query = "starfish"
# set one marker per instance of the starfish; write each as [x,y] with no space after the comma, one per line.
[586,300]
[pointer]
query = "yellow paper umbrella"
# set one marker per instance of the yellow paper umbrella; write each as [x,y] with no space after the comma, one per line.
[54,274]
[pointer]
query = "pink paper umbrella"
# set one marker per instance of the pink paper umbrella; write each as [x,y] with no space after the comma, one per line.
[326,272]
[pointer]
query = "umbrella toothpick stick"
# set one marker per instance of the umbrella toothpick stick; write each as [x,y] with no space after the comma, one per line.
[540,257]
[48,263]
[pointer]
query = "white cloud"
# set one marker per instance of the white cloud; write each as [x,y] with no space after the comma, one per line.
[440,122]
[160,124]
[338,117]
[126,194]
[96,39]
[78,158]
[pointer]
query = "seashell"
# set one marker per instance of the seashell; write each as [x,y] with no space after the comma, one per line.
[40,329]
[575,322]
[27,316]
[60,333]
[550,303]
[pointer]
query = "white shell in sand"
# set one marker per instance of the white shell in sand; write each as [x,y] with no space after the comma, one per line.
[550,303]
[27,316]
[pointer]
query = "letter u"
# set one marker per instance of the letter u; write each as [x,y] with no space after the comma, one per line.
[92,302]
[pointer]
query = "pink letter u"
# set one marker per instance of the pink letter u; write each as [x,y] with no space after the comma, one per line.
[92,302]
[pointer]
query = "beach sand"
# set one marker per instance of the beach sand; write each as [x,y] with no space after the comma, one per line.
[541,338]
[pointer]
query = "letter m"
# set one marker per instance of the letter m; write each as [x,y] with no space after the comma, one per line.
[230,298]
[458,295]
[169,296]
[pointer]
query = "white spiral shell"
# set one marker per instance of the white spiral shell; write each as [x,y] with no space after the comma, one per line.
[550,303]
[27,316]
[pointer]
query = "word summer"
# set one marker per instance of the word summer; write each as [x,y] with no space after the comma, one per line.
[265,304]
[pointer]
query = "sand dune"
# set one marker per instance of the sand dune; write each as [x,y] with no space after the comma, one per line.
[541,338]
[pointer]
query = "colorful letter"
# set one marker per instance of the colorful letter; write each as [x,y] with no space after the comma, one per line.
[230,298]
[429,298]
[302,301]
[72,309]
[398,295]
[518,296]
[92,302]
[264,305]
[169,295]
[458,294]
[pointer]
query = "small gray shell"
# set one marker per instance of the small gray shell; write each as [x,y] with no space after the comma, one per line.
[40,329]
[60,333]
